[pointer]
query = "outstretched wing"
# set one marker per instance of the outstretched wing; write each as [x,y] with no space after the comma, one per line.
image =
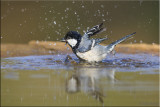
[86,44]
[94,30]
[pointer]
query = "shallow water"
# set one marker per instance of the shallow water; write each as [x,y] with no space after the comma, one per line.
[49,80]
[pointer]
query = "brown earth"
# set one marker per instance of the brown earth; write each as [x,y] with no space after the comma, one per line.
[54,47]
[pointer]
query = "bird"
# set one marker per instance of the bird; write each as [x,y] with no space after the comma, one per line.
[88,49]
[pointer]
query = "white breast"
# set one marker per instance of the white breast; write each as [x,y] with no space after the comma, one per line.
[96,54]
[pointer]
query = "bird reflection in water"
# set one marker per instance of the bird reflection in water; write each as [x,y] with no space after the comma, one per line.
[88,80]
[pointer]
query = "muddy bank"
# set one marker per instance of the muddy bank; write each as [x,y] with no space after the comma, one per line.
[33,48]
[54,47]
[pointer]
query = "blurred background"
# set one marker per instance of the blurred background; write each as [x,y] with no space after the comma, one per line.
[22,21]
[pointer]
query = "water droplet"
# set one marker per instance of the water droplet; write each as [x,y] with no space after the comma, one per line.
[37,42]
[54,22]
[115,6]
[46,19]
[102,6]
[21,99]
[107,13]
[67,97]
[20,24]
[79,28]
[140,2]
[54,98]
[22,10]
[73,2]
[82,6]
[141,41]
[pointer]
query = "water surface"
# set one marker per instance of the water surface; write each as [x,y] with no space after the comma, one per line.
[49,80]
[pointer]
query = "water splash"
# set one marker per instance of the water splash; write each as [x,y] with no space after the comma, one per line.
[121,62]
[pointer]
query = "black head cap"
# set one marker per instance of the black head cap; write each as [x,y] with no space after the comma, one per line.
[73,35]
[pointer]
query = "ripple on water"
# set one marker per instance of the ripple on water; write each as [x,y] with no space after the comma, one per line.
[121,62]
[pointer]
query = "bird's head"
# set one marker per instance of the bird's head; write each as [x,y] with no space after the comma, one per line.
[72,38]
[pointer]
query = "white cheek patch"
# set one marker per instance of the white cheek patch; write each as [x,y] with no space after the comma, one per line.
[72,42]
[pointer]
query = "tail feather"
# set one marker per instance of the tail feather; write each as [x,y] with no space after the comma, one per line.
[111,46]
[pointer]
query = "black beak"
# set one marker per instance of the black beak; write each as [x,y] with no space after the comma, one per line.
[63,40]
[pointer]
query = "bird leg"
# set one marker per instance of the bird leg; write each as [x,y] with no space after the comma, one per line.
[70,60]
